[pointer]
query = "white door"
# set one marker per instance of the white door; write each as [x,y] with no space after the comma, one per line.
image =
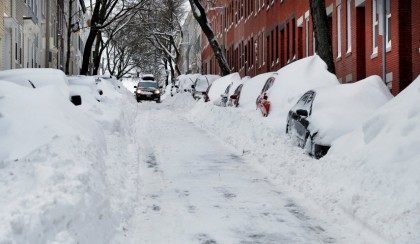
[7,50]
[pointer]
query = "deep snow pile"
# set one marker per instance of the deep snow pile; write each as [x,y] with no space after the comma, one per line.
[339,109]
[387,149]
[293,81]
[370,176]
[53,162]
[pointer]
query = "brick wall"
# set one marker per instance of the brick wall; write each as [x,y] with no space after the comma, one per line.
[266,38]
[415,27]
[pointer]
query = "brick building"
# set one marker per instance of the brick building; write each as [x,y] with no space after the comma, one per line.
[264,35]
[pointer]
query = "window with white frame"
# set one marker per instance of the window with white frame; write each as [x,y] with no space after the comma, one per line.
[388,23]
[307,36]
[348,26]
[338,30]
[375,27]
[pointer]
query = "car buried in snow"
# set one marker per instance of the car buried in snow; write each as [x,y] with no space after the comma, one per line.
[324,114]
[201,86]
[147,89]
[41,77]
[262,102]
[234,98]
[224,97]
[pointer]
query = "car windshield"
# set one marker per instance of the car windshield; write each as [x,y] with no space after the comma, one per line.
[148,78]
[148,84]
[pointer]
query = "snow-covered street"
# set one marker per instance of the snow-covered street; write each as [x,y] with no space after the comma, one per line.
[113,170]
[196,189]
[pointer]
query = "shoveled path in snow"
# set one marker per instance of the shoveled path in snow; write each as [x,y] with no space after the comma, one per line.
[194,189]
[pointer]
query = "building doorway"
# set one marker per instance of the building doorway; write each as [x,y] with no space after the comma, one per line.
[361,41]
[7,50]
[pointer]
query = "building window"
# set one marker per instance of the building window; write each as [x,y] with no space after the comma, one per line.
[375,27]
[348,26]
[388,23]
[307,36]
[339,31]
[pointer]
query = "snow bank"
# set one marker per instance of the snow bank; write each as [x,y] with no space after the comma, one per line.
[38,77]
[292,81]
[219,86]
[382,159]
[55,176]
[340,109]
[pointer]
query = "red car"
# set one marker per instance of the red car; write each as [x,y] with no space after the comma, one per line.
[262,100]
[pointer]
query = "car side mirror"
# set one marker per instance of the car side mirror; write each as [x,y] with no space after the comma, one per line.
[302,113]
[234,96]
[135,86]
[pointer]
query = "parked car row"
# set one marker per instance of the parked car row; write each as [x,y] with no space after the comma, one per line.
[315,112]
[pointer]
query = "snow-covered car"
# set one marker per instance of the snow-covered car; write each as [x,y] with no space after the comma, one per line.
[262,102]
[221,89]
[147,90]
[224,97]
[183,82]
[40,77]
[234,98]
[201,85]
[324,114]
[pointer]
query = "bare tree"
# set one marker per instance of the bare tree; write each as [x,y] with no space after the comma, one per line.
[105,13]
[201,17]
[322,35]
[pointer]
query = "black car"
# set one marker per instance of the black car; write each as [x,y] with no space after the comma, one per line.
[297,125]
[147,90]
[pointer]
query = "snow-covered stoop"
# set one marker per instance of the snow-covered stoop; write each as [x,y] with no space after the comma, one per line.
[368,198]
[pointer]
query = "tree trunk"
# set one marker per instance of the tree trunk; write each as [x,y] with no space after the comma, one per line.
[172,68]
[88,50]
[98,53]
[322,34]
[69,37]
[91,38]
[201,17]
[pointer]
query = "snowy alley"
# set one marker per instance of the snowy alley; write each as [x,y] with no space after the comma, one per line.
[196,189]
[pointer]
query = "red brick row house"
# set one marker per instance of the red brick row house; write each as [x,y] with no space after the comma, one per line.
[259,36]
